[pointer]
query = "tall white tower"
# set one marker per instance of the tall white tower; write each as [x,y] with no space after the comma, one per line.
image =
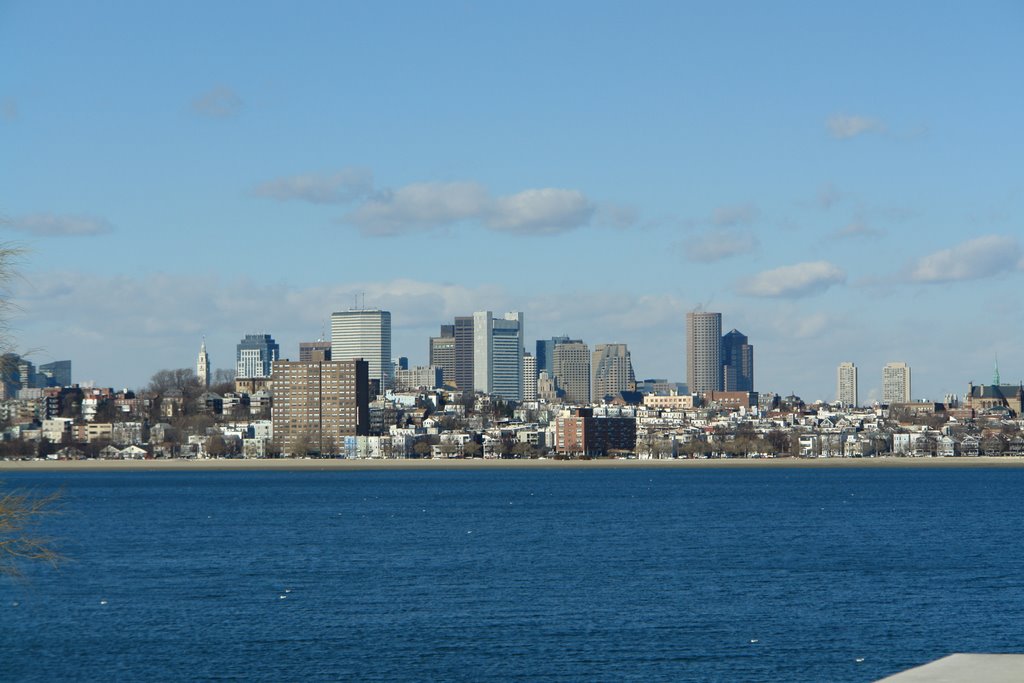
[366,334]
[203,365]
[498,354]
[846,384]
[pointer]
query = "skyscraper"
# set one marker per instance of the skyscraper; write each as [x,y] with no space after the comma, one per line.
[57,373]
[896,383]
[529,377]
[737,358]
[546,354]
[463,330]
[366,334]
[846,384]
[572,371]
[611,371]
[255,356]
[498,354]
[203,365]
[703,352]
[442,353]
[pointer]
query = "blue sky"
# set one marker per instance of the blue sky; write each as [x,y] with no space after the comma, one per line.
[843,183]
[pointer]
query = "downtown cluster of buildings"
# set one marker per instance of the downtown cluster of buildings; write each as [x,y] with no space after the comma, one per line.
[483,394]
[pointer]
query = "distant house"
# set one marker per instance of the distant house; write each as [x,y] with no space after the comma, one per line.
[946,447]
[133,453]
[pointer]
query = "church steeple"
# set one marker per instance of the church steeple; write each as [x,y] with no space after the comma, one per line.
[203,365]
[995,374]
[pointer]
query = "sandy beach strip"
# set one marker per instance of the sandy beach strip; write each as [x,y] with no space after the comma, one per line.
[480,464]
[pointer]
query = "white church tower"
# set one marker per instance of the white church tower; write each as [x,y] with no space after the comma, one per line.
[203,365]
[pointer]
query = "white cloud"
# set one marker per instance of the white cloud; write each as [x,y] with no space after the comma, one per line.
[53,225]
[420,206]
[538,212]
[971,260]
[220,102]
[340,187]
[730,216]
[845,126]
[798,280]
[429,206]
[718,245]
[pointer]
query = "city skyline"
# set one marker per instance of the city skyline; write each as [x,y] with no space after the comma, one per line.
[836,198]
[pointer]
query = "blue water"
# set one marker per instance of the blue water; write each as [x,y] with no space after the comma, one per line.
[753,575]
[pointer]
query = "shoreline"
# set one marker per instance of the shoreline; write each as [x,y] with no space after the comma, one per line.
[311,464]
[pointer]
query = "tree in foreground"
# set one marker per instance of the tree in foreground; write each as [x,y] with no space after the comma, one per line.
[20,514]
[20,511]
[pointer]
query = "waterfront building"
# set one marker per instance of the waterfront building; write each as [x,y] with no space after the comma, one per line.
[896,383]
[572,371]
[306,350]
[498,354]
[203,365]
[580,433]
[846,384]
[611,371]
[318,403]
[366,334]
[255,356]
[703,352]
[737,358]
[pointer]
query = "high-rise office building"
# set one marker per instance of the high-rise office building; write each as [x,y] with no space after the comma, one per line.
[572,371]
[203,365]
[529,377]
[442,353]
[255,356]
[737,358]
[366,334]
[57,373]
[498,354]
[611,371]
[306,350]
[546,354]
[464,372]
[703,352]
[896,383]
[846,384]
[318,403]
